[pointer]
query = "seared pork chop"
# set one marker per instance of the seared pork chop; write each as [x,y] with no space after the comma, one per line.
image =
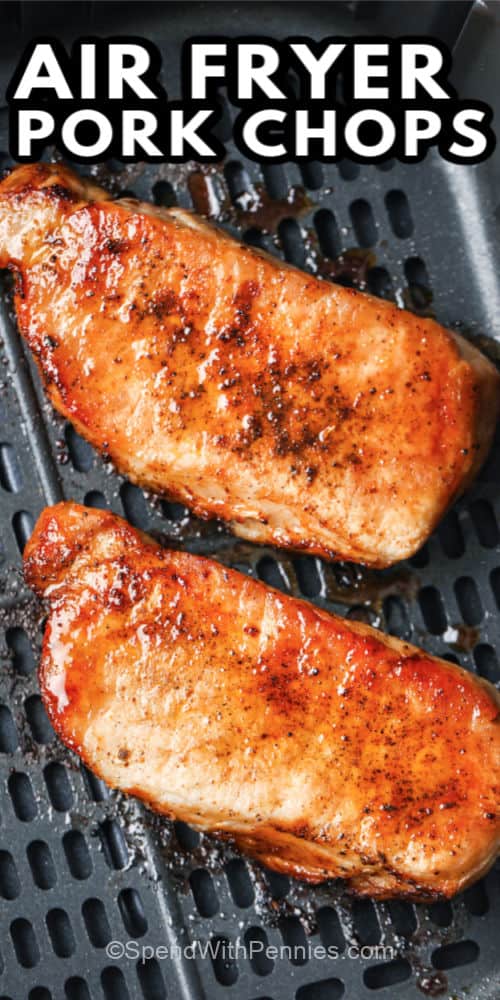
[321,746]
[305,414]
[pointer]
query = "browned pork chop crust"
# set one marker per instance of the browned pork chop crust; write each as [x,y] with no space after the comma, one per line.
[321,746]
[305,414]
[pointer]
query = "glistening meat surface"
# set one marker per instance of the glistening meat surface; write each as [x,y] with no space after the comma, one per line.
[322,747]
[305,414]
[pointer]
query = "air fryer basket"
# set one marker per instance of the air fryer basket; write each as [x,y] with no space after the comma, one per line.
[81,866]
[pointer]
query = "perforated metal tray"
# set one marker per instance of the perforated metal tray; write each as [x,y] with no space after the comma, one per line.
[80,866]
